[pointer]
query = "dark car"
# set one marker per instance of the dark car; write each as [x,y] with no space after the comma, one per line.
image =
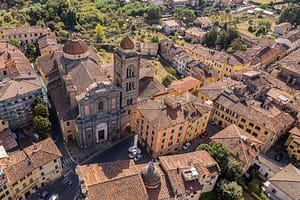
[279,157]
[204,135]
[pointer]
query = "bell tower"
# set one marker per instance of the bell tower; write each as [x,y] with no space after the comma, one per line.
[126,69]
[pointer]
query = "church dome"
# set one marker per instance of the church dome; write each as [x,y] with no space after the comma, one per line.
[75,47]
[127,43]
[150,176]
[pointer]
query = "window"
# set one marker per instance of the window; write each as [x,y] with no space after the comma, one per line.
[291,147]
[254,134]
[56,167]
[86,110]
[172,131]
[248,130]
[243,120]
[164,134]
[163,140]
[41,167]
[42,174]
[170,144]
[257,128]
[55,161]
[30,180]
[266,132]
[17,190]
[129,112]
[24,185]
[7,192]
[113,104]
[100,105]
[251,124]
[68,123]
[171,138]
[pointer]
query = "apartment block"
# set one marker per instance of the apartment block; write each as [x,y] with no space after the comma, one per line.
[24,35]
[222,62]
[19,85]
[165,123]
[29,169]
[261,119]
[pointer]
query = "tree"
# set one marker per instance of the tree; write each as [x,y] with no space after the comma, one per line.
[15,42]
[209,38]
[99,33]
[290,14]
[235,45]
[41,110]
[233,169]
[42,126]
[167,80]
[185,14]
[153,13]
[229,190]
[31,52]
[251,29]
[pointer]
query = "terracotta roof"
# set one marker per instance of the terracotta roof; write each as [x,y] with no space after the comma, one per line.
[291,62]
[75,47]
[173,166]
[185,84]
[7,140]
[240,144]
[288,181]
[118,180]
[22,77]
[127,43]
[43,152]
[214,89]
[203,20]
[171,23]
[21,163]
[23,30]
[167,111]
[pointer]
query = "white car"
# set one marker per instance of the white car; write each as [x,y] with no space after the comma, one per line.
[134,150]
[131,155]
[137,158]
[186,145]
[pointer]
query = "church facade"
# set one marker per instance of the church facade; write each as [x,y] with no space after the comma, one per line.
[91,105]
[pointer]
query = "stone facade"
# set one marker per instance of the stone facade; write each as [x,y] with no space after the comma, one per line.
[126,76]
[99,115]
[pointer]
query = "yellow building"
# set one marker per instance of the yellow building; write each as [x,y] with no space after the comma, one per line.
[265,122]
[3,125]
[31,168]
[165,123]
[222,62]
[293,143]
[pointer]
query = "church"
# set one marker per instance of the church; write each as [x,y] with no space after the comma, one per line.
[92,106]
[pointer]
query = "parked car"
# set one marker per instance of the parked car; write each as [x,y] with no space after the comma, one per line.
[44,195]
[204,135]
[137,158]
[131,155]
[279,157]
[71,183]
[35,137]
[53,197]
[186,145]
[212,122]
